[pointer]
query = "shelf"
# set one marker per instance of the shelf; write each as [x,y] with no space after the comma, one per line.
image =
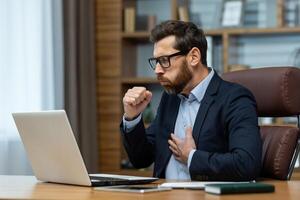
[215,32]
[139,80]
[136,35]
[252,31]
[144,35]
[259,31]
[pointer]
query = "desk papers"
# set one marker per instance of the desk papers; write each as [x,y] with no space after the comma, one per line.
[193,184]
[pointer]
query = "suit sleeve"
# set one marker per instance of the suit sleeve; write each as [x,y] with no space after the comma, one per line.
[139,143]
[243,159]
[138,147]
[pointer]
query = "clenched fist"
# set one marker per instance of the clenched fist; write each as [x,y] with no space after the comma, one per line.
[135,101]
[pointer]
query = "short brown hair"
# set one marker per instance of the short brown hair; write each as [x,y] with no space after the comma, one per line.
[187,35]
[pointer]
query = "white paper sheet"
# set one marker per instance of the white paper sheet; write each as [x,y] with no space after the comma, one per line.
[192,184]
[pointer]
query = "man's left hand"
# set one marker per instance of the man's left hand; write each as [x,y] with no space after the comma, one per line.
[182,147]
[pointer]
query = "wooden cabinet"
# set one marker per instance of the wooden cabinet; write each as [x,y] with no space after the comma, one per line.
[270,39]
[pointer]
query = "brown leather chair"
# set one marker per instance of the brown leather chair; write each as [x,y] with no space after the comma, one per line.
[277,92]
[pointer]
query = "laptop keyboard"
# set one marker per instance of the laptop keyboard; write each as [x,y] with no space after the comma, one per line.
[107,181]
[98,180]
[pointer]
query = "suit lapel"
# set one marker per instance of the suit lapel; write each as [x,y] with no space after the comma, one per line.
[174,112]
[206,102]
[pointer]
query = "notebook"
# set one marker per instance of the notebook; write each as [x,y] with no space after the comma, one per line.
[239,188]
[54,154]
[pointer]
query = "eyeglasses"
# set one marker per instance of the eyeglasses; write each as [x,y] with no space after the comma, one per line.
[164,61]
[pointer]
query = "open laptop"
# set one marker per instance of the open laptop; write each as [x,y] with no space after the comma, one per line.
[54,154]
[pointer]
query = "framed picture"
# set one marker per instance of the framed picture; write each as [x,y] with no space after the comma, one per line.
[232,15]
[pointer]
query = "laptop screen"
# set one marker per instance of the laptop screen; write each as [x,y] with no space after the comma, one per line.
[53,151]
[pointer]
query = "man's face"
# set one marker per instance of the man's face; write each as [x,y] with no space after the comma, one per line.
[174,78]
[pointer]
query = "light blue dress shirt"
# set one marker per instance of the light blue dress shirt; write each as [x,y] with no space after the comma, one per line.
[187,113]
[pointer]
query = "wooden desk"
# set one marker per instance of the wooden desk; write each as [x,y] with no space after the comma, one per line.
[27,187]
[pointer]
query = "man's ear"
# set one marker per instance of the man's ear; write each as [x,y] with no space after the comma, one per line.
[194,56]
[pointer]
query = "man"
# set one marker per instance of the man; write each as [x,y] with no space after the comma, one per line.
[205,128]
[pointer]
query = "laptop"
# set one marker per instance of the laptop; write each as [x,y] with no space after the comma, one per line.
[54,154]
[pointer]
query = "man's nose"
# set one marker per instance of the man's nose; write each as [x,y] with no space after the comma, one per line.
[158,69]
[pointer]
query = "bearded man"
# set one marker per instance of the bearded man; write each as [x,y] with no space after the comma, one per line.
[205,128]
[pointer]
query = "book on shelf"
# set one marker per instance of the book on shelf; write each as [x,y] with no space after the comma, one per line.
[298,13]
[291,13]
[145,22]
[235,188]
[129,19]
[141,22]
[151,22]
[232,15]
[209,56]
[183,13]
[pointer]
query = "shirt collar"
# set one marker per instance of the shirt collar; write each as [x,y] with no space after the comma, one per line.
[198,92]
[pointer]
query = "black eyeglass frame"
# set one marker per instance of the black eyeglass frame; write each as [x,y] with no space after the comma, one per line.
[153,61]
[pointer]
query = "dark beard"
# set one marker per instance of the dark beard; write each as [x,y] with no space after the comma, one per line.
[182,79]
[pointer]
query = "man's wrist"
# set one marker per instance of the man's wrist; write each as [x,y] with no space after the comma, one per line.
[129,125]
[127,118]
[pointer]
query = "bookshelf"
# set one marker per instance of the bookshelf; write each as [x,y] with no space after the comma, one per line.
[121,55]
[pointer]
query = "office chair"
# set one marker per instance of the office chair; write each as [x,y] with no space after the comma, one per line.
[277,93]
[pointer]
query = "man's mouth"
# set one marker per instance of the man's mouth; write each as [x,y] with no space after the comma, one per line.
[163,81]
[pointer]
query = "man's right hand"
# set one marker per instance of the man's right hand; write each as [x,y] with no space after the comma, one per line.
[135,101]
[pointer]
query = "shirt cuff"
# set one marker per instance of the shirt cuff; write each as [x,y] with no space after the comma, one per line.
[129,125]
[190,157]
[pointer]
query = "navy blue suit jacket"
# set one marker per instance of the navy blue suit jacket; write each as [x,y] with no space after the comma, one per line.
[226,134]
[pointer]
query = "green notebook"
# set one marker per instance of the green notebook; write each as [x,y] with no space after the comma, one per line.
[232,188]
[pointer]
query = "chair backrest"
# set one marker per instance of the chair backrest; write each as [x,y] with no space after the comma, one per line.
[277,92]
